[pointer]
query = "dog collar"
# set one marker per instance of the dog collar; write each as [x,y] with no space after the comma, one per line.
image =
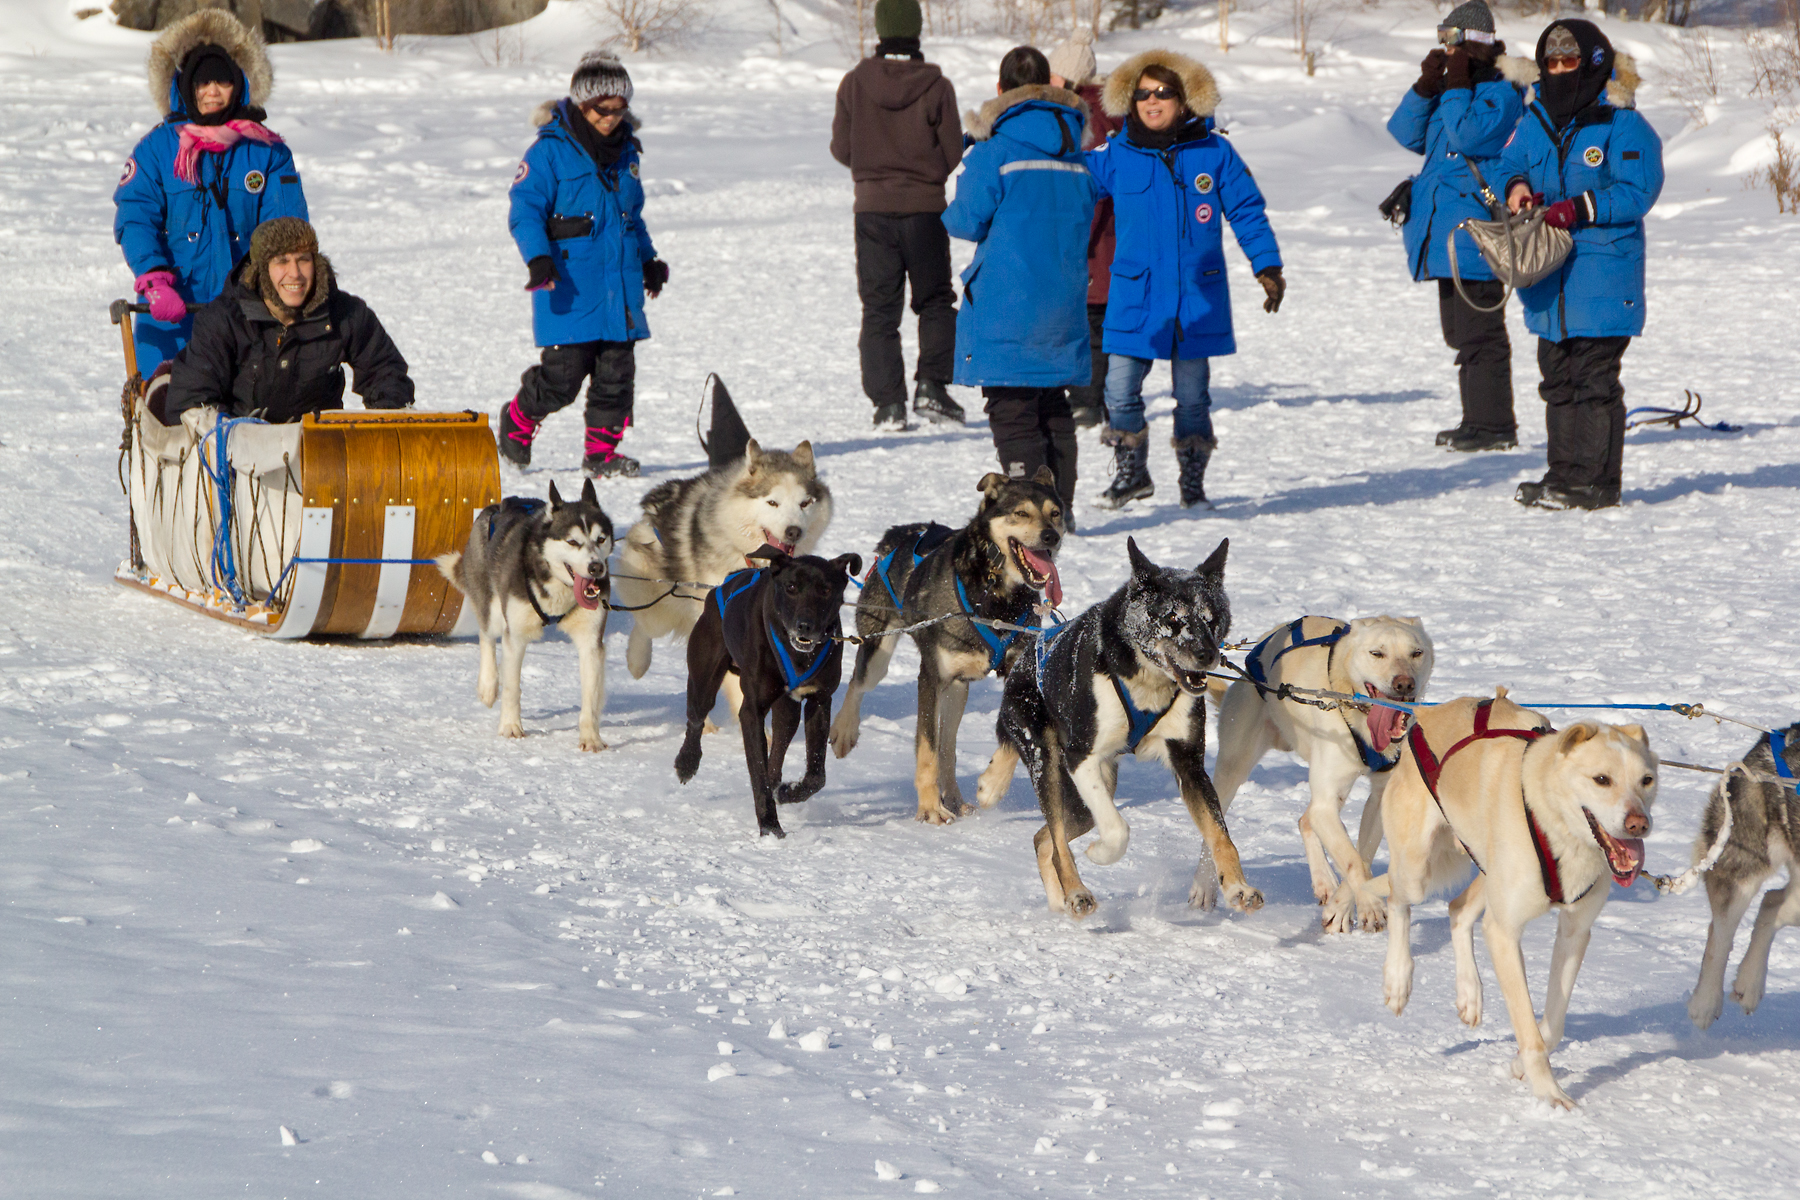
[789,672]
[1372,758]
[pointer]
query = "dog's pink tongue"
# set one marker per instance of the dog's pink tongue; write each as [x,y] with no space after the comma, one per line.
[586,594]
[1044,566]
[1384,726]
[1634,850]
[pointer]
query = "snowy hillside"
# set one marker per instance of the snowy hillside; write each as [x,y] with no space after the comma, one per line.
[246,884]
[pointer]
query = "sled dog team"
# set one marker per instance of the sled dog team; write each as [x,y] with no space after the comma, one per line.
[1549,818]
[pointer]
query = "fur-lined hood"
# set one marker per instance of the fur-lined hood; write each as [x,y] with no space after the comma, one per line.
[1621,89]
[1196,81]
[978,123]
[545,113]
[220,28]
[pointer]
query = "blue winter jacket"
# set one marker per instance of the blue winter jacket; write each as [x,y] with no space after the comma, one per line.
[1168,297]
[1609,161]
[590,221]
[1026,199]
[1473,121]
[197,230]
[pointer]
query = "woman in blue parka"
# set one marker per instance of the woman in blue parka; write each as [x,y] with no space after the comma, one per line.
[198,184]
[1595,166]
[1026,199]
[1463,108]
[1172,179]
[578,220]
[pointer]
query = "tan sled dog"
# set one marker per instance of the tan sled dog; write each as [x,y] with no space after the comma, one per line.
[1550,818]
[1384,657]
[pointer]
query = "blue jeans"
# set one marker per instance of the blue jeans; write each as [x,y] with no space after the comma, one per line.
[1125,395]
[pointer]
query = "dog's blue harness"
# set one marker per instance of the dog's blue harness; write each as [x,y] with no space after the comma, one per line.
[1372,758]
[1778,747]
[997,645]
[1139,721]
[885,563]
[729,589]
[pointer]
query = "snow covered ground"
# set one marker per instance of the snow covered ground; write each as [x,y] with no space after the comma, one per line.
[245,945]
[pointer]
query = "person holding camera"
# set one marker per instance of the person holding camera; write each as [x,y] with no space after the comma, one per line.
[1461,111]
[1594,167]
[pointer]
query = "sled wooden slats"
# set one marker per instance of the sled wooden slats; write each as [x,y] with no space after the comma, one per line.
[359,464]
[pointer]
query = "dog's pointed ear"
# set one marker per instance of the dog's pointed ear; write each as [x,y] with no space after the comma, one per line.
[1140,565]
[775,556]
[849,564]
[1635,733]
[556,500]
[1576,734]
[588,494]
[1215,562]
[1045,476]
[803,454]
[752,452]
[1415,622]
[990,484]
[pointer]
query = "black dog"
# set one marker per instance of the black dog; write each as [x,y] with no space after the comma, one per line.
[776,627]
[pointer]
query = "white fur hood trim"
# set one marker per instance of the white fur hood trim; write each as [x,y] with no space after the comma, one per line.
[979,122]
[219,27]
[544,113]
[1202,91]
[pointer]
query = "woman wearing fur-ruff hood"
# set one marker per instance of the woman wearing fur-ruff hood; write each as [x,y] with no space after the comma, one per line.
[1173,181]
[1462,110]
[1594,166]
[197,185]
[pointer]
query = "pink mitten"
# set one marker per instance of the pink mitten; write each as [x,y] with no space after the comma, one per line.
[166,304]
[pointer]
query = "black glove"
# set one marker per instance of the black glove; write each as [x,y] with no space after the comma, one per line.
[543,273]
[1431,74]
[1456,69]
[1274,287]
[656,273]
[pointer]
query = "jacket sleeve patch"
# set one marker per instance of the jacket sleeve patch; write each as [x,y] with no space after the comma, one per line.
[1629,155]
[130,172]
[521,173]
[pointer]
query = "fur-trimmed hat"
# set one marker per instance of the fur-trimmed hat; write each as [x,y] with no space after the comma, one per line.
[1073,58]
[216,27]
[600,75]
[272,239]
[1199,91]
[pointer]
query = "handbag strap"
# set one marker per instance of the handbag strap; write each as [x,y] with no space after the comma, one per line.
[1495,208]
[1498,210]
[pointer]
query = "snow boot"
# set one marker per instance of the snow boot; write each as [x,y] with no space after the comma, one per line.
[1556,497]
[1446,436]
[891,418]
[932,401]
[516,433]
[1472,441]
[603,460]
[1193,453]
[1131,468]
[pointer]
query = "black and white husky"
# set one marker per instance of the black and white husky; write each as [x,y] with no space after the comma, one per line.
[529,565]
[1128,675]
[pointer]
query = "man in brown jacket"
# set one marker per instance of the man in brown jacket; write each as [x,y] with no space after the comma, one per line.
[897,130]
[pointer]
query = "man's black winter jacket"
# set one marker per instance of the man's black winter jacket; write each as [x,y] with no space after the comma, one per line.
[247,363]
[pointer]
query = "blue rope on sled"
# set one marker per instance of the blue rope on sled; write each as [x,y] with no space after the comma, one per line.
[218,470]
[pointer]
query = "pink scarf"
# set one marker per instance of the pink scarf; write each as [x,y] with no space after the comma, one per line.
[196,138]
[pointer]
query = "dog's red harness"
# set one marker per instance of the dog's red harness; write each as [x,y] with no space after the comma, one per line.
[1431,765]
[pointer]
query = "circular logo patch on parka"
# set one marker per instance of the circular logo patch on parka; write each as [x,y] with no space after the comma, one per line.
[1593,156]
[1203,183]
[521,173]
[634,171]
[254,182]
[130,172]
[1203,214]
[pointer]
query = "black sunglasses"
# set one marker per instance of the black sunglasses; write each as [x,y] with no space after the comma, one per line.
[1161,93]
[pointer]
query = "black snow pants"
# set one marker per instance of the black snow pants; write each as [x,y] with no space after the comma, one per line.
[1093,395]
[892,250]
[608,368]
[1033,427]
[1585,416]
[1483,353]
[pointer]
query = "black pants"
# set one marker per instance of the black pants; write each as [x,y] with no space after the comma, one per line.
[1094,394]
[609,369]
[893,249]
[1483,353]
[1586,413]
[1033,428]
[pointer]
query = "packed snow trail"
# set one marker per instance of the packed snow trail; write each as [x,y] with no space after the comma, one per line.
[248,884]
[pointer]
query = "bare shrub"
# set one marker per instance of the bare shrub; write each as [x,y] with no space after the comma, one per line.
[642,24]
[1694,81]
[1781,174]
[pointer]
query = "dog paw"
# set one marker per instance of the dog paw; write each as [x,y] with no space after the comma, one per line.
[1468,1007]
[1703,1010]
[772,829]
[1517,1066]
[1396,991]
[1336,913]
[707,726]
[1079,903]
[592,743]
[1106,850]
[935,814]
[1747,996]
[1555,1097]
[511,729]
[688,761]
[1203,894]
[952,801]
[1372,916]
[844,736]
[796,793]
[1243,897]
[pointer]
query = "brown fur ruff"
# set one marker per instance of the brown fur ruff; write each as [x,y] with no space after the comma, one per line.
[220,28]
[979,122]
[545,112]
[1196,81]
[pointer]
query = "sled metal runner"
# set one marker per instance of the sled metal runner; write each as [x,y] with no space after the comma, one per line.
[328,527]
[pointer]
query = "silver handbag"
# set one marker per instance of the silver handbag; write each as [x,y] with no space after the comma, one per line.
[1519,248]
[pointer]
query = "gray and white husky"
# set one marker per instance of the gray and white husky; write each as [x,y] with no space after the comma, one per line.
[697,531]
[528,565]
[1761,822]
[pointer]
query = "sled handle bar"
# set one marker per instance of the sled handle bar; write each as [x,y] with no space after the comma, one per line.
[121,307]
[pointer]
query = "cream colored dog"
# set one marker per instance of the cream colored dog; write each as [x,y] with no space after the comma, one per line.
[1387,657]
[1550,818]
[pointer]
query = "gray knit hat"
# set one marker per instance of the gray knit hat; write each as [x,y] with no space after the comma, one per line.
[1472,14]
[600,74]
[1073,58]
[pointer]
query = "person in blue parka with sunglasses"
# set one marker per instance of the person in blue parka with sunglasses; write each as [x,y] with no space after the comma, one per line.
[1594,165]
[1173,179]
